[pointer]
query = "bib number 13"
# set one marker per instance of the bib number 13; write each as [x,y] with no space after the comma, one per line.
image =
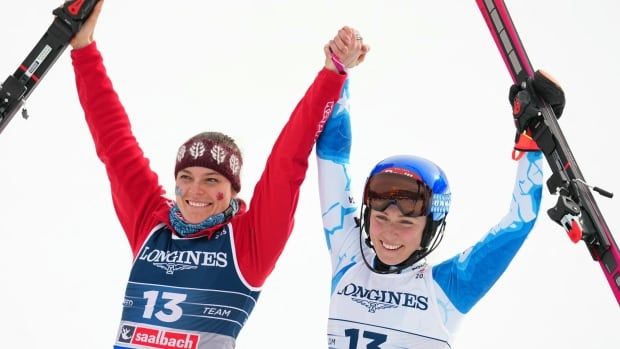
[174,311]
[376,338]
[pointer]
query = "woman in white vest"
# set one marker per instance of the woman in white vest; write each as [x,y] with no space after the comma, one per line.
[383,292]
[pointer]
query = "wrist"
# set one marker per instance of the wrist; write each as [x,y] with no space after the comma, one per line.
[76,45]
[337,65]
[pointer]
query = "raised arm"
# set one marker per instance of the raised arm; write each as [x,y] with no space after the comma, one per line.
[269,221]
[135,188]
[467,277]
[338,209]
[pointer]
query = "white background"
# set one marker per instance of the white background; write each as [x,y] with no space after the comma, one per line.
[433,85]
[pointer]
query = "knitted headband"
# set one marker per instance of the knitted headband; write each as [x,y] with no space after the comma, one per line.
[205,152]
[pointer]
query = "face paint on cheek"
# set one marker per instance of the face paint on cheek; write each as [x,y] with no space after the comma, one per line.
[178,191]
[220,196]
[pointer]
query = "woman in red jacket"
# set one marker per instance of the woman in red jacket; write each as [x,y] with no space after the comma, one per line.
[200,261]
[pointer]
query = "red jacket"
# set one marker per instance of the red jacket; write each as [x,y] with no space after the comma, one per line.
[260,232]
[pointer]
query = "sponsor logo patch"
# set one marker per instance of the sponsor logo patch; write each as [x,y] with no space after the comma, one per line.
[156,338]
[375,300]
[172,261]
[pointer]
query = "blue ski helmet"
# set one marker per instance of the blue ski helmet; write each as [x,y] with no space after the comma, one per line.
[418,187]
[419,169]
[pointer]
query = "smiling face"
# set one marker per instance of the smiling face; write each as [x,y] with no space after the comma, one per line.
[201,193]
[395,236]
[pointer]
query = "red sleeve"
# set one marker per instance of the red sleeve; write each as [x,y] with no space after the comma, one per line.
[135,189]
[261,233]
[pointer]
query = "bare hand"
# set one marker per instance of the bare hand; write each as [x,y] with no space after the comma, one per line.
[348,47]
[85,36]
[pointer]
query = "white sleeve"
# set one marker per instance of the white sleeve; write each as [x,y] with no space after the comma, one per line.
[338,209]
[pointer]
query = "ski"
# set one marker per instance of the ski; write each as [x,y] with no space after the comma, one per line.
[576,210]
[17,87]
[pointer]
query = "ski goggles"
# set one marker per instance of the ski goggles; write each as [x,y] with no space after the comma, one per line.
[411,196]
